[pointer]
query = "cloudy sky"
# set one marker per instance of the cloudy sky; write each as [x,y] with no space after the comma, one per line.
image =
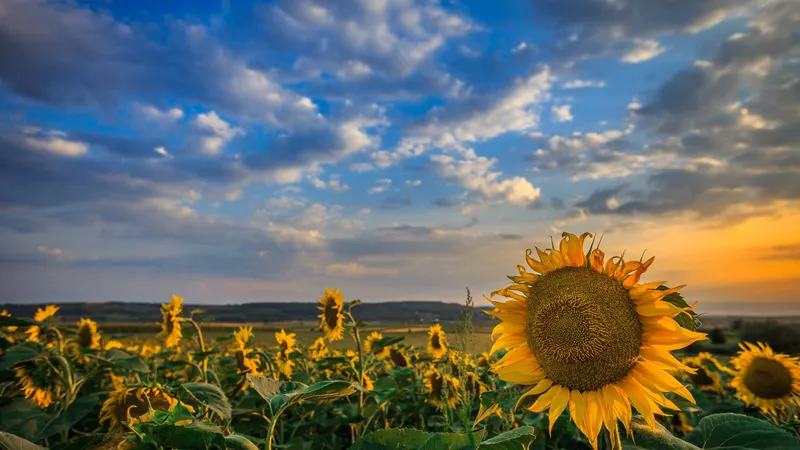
[230,151]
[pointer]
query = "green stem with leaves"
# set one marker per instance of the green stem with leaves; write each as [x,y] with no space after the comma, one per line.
[204,360]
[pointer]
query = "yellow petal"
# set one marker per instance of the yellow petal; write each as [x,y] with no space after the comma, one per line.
[638,399]
[537,266]
[577,410]
[661,378]
[536,390]
[596,260]
[543,402]
[557,406]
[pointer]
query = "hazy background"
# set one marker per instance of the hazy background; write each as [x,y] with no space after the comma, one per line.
[236,152]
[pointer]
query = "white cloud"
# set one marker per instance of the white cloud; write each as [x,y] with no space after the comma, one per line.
[159,115]
[561,113]
[54,142]
[519,47]
[414,183]
[644,50]
[216,132]
[334,183]
[353,70]
[162,151]
[578,84]
[362,167]
[383,184]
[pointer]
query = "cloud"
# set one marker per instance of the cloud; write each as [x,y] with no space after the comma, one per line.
[215,132]
[163,116]
[561,113]
[578,84]
[644,50]
[383,184]
[57,146]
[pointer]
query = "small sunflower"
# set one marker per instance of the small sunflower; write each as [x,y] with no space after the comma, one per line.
[171,325]
[8,332]
[458,361]
[286,344]
[331,305]
[474,385]
[38,382]
[41,315]
[369,343]
[319,349]
[484,360]
[129,404]
[244,363]
[680,424]
[767,380]
[399,357]
[113,343]
[587,336]
[442,388]
[704,372]
[88,337]
[437,341]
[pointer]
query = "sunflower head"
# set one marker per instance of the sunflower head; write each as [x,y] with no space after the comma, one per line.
[443,389]
[331,304]
[399,357]
[242,336]
[680,424]
[38,382]
[701,370]
[484,360]
[9,331]
[589,337]
[42,315]
[113,343]
[437,341]
[767,380]
[88,337]
[474,385]
[171,323]
[319,349]
[381,353]
[127,404]
[286,343]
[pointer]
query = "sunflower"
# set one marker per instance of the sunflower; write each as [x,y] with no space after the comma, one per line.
[704,373]
[286,343]
[381,353]
[8,332]
[474,385]
[113,343]
[399,357]
[331,305]
[129,404]
[458,361]
[442,387]
[41,315]
[765,379]
[680,424]
[590,338]
[319,349]
[437,341]
[484,360]
[88,337]
[244,363]
[38,382]
[171,325]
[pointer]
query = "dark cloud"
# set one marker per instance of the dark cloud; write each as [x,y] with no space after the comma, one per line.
[791,252]
[396,201]
[597,202]
[446,202]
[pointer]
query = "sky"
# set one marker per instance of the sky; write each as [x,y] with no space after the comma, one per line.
[237,151]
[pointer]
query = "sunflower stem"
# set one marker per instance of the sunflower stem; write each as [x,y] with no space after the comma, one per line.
[204,361]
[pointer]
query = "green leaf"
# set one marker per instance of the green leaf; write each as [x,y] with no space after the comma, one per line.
[409,439]
[194,436]
[79,409]
[516,439]
[740,431]
[281,394]
[238,442]
[23,418]
[81,442]
[222,339]
[687,319]
[11,442]
[20,353]
[211,396]
[499,401]
[6,321]
[658,439]
[388,341]
[124,360]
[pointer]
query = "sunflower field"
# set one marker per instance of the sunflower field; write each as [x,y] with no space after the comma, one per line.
[584,356]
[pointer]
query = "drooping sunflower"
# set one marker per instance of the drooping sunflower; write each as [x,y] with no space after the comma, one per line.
[38,382]
[244,363]
[331,305]
[590,338]
[399,357]
[88,337]
[381,353]
[41,315]
[437,341]
[705,374]
[286,344]
[129,404]
[767,380]
[319,349]
[442,388]
[171,323]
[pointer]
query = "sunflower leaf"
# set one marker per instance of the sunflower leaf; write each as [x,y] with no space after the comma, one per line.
[408,439]
[658,438]
[79,409]
[516,439]
[11,442]
[239,442]
[210,396]
[687,319]
[499,401]
[740,431]
[6,321]
[20,353]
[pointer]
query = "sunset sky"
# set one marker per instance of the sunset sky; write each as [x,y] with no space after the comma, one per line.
[236,151]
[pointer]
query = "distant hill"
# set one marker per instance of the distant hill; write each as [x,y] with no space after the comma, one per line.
[409,312]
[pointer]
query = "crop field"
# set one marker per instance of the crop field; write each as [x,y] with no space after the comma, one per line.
[581,356]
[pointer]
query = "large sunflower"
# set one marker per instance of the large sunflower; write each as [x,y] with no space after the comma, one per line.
[331,305]
[443,388]
[590,338]
[399,357]
[369,345]
[171,324]
[38,382]
[127,404]
[437,341]
[41,315]
[286,343]
[765,379]
[88,337]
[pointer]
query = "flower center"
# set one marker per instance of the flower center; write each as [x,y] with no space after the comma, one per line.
[85,337]
[435,341]
[397,358]
[768,378]
[331,314]
[701,378]
[583,328]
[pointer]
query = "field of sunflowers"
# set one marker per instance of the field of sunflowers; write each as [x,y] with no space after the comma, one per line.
[583,356]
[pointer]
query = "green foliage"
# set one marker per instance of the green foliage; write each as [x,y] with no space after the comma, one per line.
[717,336]
[517,439]
[408,439]
[20,353]
[782,337]
[11,442]
[741,432]
[210,396]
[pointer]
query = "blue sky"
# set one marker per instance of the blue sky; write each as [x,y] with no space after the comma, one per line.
[398,149]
